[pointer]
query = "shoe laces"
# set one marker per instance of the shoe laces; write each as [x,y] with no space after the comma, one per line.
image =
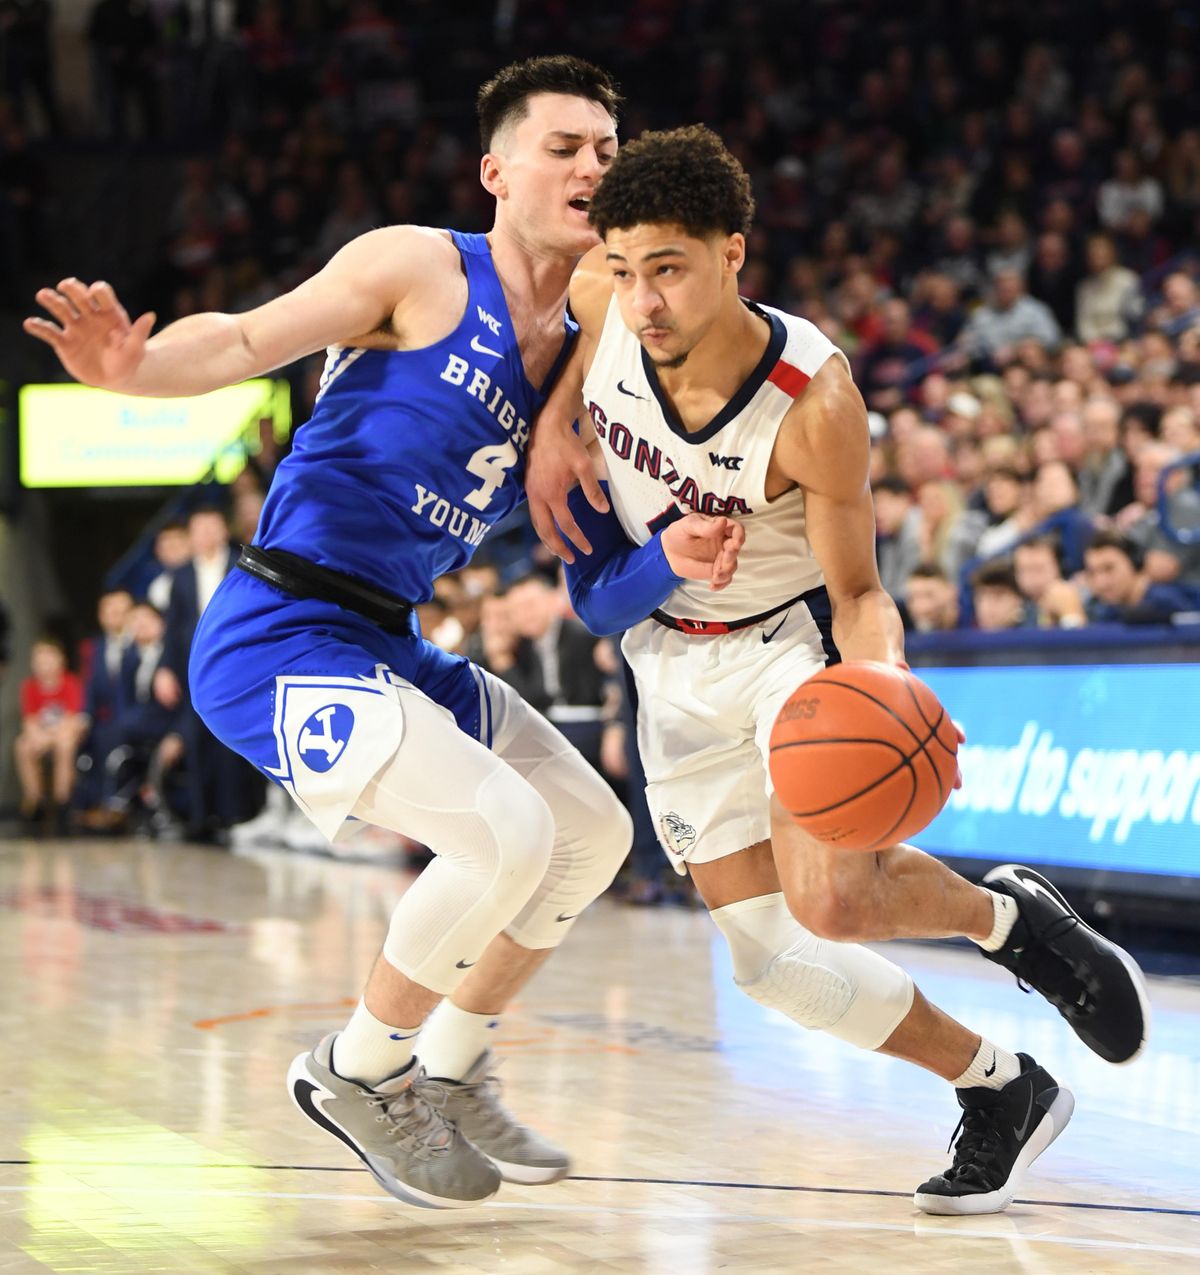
[484,1096]
[1067,985]
[977,1151]
[414,1115]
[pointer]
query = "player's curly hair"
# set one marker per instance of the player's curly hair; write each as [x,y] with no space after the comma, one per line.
[685,176]
[504,99]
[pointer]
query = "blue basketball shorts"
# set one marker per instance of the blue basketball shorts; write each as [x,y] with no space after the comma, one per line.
[313,694]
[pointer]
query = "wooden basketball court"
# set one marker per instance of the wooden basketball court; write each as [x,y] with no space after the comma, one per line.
[154,995]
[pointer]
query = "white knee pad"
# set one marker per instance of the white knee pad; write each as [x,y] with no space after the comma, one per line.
[489,861]
[840,988]
[592,830]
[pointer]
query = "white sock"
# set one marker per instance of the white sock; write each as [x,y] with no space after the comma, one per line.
[1005,918]
[991,1068]
[452,1040]
[369,1051]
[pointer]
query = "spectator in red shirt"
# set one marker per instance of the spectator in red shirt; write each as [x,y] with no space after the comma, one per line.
[52,725]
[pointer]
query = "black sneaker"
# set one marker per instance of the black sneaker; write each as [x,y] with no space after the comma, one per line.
[1094,984]
[1003,1131]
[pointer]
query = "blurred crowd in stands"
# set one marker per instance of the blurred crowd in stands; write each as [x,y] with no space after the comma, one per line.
[994,209]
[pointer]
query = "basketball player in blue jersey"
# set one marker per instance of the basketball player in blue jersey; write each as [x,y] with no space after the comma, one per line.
[696,400]
[308,660]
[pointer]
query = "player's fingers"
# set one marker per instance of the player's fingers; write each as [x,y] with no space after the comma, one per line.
[547,532]
[958,730]
[44,330]
[105,300]
[724,567]
[570,529]
[592,490]
[144,325]
[586,473]
[77,294]
[58,305]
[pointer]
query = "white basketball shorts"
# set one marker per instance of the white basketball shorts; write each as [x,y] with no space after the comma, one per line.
[706,705]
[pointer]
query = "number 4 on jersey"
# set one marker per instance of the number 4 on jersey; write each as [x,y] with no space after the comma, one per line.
[491,464]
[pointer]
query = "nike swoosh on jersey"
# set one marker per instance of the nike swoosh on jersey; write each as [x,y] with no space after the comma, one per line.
[478,346]
[464,965]
[563,917]
[622,390]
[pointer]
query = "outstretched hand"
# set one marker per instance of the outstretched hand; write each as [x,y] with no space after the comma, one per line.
[92,334]
[704,547]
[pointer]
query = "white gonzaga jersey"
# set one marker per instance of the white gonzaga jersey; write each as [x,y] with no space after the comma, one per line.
[658,470]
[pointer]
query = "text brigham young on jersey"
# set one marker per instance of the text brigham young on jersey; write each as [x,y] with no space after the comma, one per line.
[490,463]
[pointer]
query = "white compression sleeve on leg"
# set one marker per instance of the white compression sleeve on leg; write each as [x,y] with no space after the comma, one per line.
[840,988]
[592,830]
[490,832]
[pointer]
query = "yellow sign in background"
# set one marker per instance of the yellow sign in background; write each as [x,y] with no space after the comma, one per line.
[77,436]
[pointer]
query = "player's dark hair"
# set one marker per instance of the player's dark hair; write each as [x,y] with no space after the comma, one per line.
[684,177]
[504,99]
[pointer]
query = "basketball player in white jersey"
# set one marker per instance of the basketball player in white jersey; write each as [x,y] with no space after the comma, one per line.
[700,402]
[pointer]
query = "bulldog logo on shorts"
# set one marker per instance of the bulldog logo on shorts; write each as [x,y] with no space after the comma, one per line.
[679,834]
[323,738]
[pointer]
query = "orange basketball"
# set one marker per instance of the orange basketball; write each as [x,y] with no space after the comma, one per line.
[863,755]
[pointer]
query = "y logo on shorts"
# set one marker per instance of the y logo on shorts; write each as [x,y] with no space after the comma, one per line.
[323,738]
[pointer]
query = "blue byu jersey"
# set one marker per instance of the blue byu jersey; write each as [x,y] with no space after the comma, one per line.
[411,456]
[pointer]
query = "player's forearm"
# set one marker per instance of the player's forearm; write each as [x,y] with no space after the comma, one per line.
[194,355]
[868,627]
[619,584]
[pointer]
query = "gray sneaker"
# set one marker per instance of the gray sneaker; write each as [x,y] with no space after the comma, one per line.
[473,1105]
[399,1130]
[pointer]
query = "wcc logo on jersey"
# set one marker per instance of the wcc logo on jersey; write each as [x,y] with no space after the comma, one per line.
[323,738]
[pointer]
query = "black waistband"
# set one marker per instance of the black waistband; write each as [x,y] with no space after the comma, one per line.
[710,628]
[304,579]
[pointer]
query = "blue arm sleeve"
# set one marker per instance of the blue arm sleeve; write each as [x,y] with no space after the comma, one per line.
[619,583]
